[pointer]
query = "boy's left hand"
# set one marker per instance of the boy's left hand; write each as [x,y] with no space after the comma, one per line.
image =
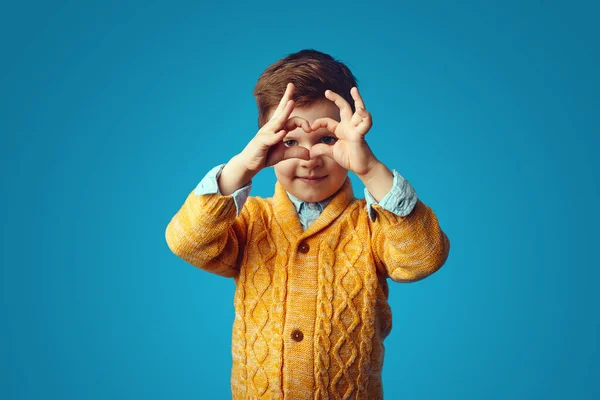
[351,150]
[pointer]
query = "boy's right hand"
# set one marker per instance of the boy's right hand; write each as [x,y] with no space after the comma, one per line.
[266,148]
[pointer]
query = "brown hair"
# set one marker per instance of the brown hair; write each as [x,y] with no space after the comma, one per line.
[312,72]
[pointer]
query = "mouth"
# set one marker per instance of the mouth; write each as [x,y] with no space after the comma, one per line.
[311,179]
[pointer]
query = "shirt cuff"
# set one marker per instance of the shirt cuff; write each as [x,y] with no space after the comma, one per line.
[400,200]
[210,185]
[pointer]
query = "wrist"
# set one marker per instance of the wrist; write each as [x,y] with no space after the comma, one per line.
[374,168]
[240,166]
[234,176]
[378,180]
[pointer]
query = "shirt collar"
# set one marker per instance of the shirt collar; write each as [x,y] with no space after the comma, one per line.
[286,215]
[300,204]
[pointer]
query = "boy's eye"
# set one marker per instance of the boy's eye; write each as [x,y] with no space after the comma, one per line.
[289,143]
[328,139]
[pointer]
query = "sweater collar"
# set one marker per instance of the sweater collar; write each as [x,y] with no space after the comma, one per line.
[286,213]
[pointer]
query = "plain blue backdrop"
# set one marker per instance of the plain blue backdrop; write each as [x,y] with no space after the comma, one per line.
[111,112]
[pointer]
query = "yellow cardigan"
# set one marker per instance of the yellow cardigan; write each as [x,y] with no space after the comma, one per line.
[311,309]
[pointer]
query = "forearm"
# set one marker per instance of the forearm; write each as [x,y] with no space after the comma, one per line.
[234,176]
[378,180]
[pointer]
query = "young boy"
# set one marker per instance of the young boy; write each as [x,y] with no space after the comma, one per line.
[310,264]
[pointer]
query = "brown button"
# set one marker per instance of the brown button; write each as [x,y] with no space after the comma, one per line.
[297,335]
[303,248]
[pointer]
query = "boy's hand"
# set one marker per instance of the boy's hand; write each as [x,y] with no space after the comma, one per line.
[351,150]
[266,148]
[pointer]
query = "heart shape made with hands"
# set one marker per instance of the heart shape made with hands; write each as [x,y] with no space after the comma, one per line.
[350,150]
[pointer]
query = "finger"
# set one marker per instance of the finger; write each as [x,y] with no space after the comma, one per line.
[296,152]
[358,101]
[360,116]
[341,103]
[287,95]
[272,138]
[281,126]
[321,149]
[298,122]
[275,154]
[290,125]
[364,126]
[363,113]
[329,123]
[280,152]
[277,120]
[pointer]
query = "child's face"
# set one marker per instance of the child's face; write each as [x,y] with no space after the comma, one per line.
[318,178]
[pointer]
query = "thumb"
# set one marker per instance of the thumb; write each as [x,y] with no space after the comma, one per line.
[296,152]
[321,149]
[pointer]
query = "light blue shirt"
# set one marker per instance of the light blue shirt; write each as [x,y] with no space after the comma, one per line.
[400,200]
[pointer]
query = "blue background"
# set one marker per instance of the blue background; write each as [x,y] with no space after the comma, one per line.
[111,112]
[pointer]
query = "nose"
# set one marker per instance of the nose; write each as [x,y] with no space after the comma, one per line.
[312,163]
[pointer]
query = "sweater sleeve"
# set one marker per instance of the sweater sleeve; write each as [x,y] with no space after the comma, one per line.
[206,233]
[409,248]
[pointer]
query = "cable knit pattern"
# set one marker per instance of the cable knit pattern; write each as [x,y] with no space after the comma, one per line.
[311,306]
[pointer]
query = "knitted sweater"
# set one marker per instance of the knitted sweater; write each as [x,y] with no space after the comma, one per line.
[311,307]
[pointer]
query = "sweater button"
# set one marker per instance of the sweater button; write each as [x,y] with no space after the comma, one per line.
[303,248]
[297,335]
